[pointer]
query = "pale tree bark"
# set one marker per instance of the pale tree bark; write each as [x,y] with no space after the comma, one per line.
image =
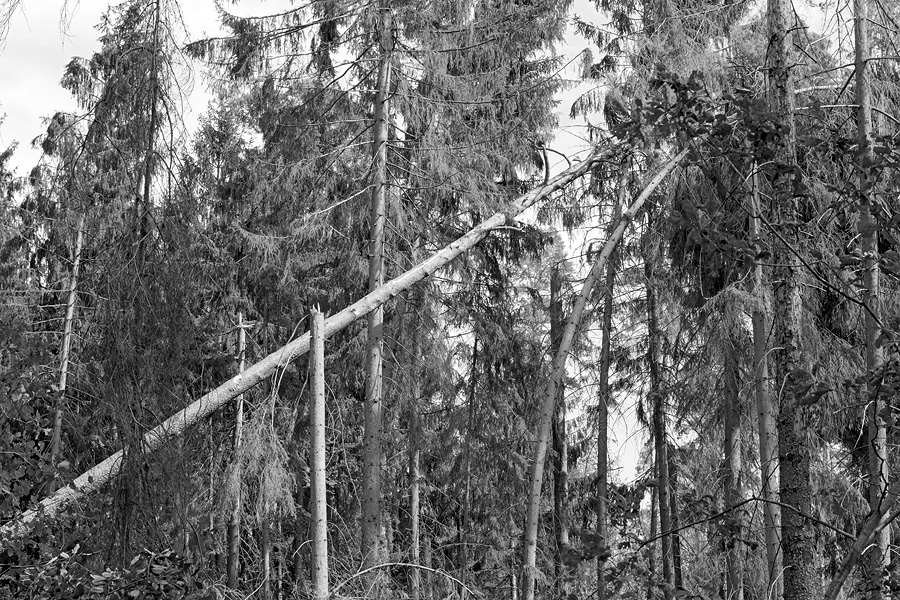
[801,582]
[560,443]
[765,411]
[371,542]
[66,350]
[99,475]
[656,398]
[558,370]
[318,479]
[604,398]
[879,555]
[734,545]
[234,522]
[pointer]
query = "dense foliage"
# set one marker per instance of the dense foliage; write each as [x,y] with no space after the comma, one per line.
[143,265]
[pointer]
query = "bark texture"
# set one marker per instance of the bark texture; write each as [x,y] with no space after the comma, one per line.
[234,521]
[318,479]
[879,555]
[801,582]
[371,542]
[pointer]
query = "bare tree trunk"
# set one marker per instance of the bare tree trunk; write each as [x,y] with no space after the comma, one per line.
[654,532]
[372,543]
[604,398]
[801,582]
[734,545]
[318,479]
[657,404]
[560,444]
[234,523]
[147,178]
[100,474]
[879,555]
[66,347]
[674,517]
[266,542]
[768,434]
[415,577]
[559,366]
[467,498]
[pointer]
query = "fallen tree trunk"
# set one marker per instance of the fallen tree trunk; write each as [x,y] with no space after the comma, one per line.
[559,368]
[96,477]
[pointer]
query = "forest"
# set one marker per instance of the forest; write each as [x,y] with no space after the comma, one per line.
[369,330]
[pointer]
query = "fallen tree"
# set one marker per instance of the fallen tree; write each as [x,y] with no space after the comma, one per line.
[99,475]
[559,369]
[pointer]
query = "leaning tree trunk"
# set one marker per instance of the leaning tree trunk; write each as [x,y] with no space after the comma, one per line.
[66,347]
[102,473]
[801,582]
[318,480]
[768,434]
[372,437]
[879,555]
[559,367]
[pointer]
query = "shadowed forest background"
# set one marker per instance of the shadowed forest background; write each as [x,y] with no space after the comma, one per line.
[369,331]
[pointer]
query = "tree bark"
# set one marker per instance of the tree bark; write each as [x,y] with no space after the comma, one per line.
[879,555]
[415,577]
[604,398]
[656,399]
[560,443]
[559,365]
[801,582]
[55,443]
[371,542]
[234,523]
[100,474]
[734,580]
[768,434]
[318,479]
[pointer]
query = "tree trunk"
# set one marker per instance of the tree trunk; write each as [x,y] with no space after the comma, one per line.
[55,443]
[147,175]
[415,577]
[234,523]
[101,473]
[467,497]
[318,479]
[768,435]
[266,543]
[654,532]
[734,580]
[604,398]
[879,555]
[801,582]
[677,573]
[371,543]
[656,399]
[559,366]
[560,444]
